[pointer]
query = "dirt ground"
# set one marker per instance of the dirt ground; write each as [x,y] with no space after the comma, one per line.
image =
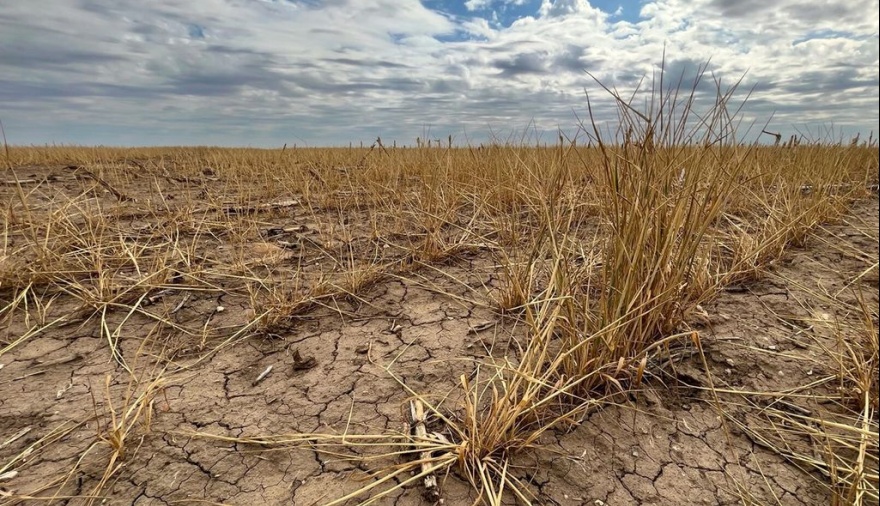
[673,442]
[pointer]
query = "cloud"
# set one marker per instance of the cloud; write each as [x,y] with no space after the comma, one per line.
[476,5]
[264,72]
[524,63]
[479,5]
[556,8]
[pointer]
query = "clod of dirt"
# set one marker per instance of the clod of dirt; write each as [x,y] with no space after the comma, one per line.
[301,363]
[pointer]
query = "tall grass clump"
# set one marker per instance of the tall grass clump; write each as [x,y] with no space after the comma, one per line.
[665,179]
[593,320]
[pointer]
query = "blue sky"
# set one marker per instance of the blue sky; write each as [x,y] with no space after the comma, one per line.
[504,13]
[326,72]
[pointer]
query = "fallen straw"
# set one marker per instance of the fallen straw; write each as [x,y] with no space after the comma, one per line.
[262,376]
[420,433]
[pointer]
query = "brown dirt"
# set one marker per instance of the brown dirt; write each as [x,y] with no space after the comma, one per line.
[669,444]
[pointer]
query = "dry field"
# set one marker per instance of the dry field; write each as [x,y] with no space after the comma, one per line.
[663,317]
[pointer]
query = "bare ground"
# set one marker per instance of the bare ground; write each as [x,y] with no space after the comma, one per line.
[672,442]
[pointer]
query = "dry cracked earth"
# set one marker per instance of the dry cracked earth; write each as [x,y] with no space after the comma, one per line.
[672,442]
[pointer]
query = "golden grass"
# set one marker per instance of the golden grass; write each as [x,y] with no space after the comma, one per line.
[604,251]
[841,442]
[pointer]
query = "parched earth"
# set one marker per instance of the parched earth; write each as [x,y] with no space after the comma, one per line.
[673,442]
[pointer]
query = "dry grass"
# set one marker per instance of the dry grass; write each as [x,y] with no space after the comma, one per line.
[836,434]
[604,252]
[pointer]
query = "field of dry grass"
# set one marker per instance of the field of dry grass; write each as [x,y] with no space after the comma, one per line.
[661,312]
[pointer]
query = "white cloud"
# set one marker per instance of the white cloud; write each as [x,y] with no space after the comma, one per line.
[552,8]
[479,5]
[233,72]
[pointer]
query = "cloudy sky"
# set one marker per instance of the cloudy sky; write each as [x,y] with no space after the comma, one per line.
[268,72]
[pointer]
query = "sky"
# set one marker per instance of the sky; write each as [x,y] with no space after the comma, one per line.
[312,73]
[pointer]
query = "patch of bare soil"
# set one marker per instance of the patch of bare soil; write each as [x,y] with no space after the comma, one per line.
[684,445]
[674,442]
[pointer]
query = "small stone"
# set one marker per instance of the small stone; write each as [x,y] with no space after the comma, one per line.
[771,347]
[220,309]
[728,372]
[635,454]
[730,362]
